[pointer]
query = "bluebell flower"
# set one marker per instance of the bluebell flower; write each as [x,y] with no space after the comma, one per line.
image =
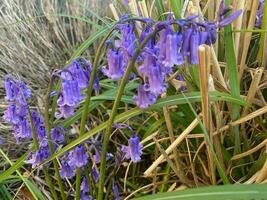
[162,44]
[84,185]
[67,169]
[224,20]
[25,93]
[39,126]
[95,174]
[85,196]
[156,78]
[96,156]
[173,55]
[230,18]
[134,149]
[11,114]
[78,156]
[11,89]
[64,111]
[115,65]
[259,14]
[145,32]
[70,91]
[115,190]
[22,129]
[128,39]
[57,134]
[16,90]
[144,98]
[186,41]
[79,73]
[39,156]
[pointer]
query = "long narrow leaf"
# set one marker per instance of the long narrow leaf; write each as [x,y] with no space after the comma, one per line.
[229,192]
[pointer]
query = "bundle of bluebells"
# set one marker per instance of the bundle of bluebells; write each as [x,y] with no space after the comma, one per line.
[176,44]
[74,79]
[18,114]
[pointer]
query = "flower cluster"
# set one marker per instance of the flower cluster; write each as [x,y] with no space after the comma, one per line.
[172,46]
[20,116]
[74,78]
[77,158]
[16,113]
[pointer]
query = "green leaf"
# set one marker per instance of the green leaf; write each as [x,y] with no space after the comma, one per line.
[91,39]
[233,79]
[160,9]
[171,100]
[37,194]
[6,174]
[226,192]
[177,6]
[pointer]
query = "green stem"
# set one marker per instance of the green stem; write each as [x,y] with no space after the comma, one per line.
[34,136]
[36,147]
[233,80]
[50,183]
[86,104]
[263,28]
[113,113]
[48,134]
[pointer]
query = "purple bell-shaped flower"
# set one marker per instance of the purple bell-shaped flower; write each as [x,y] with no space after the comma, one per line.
[134,149]
[144,98]
[115,65]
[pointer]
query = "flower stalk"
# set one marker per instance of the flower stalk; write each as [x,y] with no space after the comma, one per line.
[48,134]
[114,111]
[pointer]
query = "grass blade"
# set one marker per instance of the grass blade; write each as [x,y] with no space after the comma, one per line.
[177,6]
[233,79]
[229,192]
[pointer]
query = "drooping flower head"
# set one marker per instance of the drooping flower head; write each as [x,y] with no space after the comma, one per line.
[115,65]
[70,91]
[40,155]
[78,156]
[115,190]
[57,134]
[144,98]
[67,169]
[134,149]
[63,111]
[16,90]
[259,14]
[222,17]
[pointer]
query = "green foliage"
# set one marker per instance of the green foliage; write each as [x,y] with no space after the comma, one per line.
[229,192]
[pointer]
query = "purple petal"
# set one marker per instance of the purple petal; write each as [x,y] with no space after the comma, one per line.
[230,18]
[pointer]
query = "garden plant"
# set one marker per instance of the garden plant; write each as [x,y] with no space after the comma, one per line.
[161,100]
